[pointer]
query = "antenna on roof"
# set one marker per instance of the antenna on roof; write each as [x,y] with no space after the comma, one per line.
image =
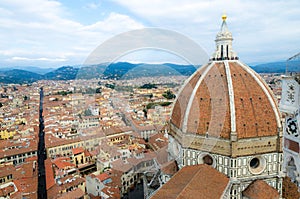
[290,59]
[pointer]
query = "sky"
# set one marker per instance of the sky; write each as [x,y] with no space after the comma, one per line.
[64,32]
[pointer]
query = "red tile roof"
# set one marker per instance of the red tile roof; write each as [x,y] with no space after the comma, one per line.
[76,151]
[63,163]
[169,168]
[34,158]
[112,192]
[27,186]
[103,176]
[255,108]
[6,170]
[49,174]
[77,193]
[198,181]
[260,189]
[87,153]
[7,190]
[289,189]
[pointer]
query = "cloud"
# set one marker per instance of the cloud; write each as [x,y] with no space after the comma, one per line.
[38,59]
[123,22]
[43,29]
[261,29]
[93,5]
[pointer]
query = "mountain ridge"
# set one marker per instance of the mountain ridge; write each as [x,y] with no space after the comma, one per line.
[124,70]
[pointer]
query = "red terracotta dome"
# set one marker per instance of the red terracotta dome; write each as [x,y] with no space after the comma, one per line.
[226,98]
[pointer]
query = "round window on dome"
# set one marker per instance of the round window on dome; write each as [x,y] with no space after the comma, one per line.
[254,163]
[208,160]
[257,165]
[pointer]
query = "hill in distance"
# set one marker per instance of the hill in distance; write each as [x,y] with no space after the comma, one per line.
[63,73]
[277,67]
[33,69]
[124,70]
[17,76]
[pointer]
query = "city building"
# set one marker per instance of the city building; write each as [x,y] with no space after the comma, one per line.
[290,107]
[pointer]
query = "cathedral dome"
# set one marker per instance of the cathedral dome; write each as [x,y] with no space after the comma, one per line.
[226,116]
[225,99]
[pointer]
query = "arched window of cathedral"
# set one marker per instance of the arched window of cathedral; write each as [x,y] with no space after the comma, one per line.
[227,54]
[221,51]
[291,169]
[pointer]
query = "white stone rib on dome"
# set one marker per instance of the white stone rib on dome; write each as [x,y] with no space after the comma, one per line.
[186,114]
[231,97]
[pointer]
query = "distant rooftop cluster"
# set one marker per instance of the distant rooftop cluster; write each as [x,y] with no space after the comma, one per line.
[100,135]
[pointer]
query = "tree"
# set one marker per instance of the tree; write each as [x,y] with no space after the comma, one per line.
[87,112]
[145,112]
[111,86]
[98,90]
[151,96]
[148,86]
[169,95]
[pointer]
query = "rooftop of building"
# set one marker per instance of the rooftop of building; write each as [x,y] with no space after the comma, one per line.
[260,189]
[202,181]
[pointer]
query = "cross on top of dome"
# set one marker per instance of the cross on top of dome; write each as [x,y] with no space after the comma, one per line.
[224,17]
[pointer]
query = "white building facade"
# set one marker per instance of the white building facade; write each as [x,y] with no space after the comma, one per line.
[290,107]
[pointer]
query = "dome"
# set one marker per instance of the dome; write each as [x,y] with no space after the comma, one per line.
[225,99]
[225,116]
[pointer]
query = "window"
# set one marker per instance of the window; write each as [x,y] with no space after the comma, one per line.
[227,51]
[257,165]
[207,160]
[274,158]
[254,163]
[221,51]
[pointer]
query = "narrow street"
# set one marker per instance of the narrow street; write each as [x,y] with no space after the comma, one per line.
[42,193]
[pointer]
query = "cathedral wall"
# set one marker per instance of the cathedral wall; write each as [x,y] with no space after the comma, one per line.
[254,146]
[240,167]
[241,170]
